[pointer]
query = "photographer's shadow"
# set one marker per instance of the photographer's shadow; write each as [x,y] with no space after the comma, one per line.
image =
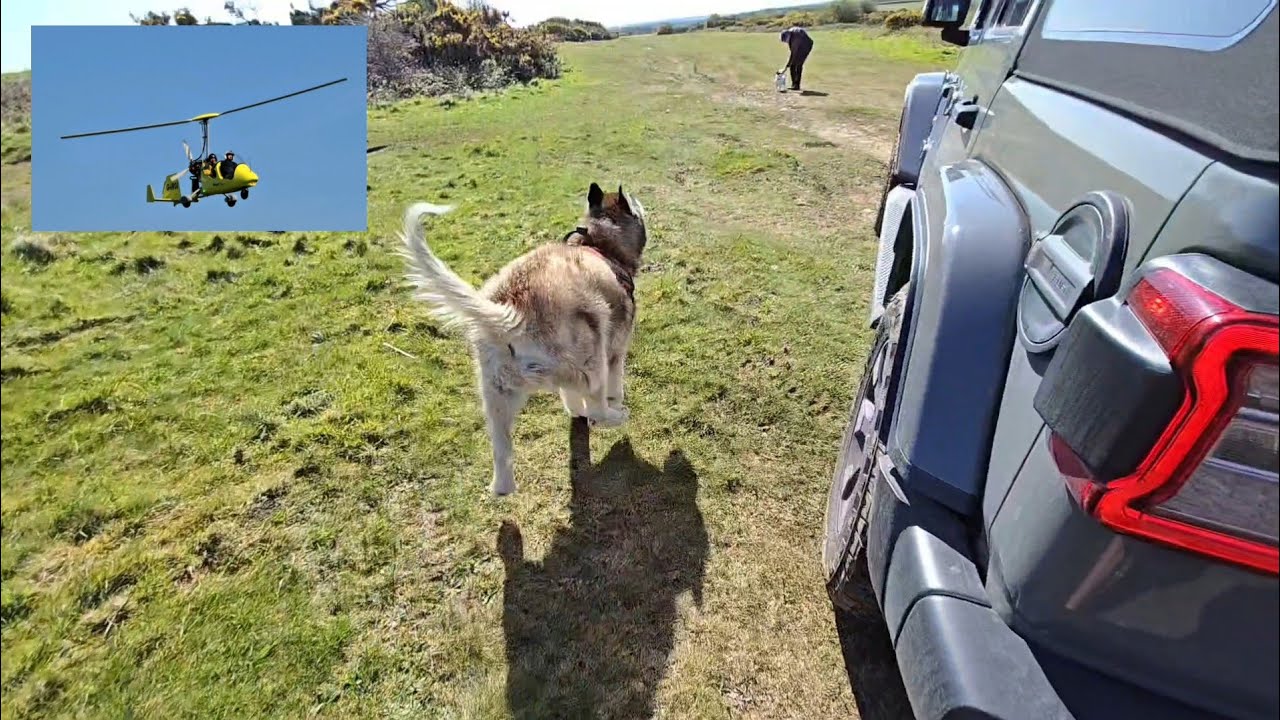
[589,629]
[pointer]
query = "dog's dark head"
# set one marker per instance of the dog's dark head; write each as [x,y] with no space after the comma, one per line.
[616,224]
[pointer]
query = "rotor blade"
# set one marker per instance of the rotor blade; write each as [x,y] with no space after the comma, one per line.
[282,97]
[128,129]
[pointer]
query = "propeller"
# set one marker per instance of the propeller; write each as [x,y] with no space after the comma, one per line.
[282,97]
[128,129]
[208,117]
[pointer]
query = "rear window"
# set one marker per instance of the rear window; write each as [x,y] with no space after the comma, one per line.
[1202,68]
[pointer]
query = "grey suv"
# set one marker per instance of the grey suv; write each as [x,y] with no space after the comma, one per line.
[1060,470]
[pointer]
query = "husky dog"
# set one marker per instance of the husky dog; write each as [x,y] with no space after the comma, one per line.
[556,318]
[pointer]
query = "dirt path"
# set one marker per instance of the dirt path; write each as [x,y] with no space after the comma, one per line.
[834,109]
[811,112]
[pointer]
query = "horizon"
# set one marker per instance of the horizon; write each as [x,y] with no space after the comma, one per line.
[17,18]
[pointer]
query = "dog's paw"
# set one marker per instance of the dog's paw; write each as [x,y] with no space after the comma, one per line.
[611,417]
[574,405]
[502,487]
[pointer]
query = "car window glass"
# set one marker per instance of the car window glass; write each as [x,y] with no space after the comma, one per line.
[1014,13]
[982,12]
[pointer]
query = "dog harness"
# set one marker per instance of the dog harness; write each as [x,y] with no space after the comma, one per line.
[624,278]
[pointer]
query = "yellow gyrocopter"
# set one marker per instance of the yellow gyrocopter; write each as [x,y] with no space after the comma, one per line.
[206,181]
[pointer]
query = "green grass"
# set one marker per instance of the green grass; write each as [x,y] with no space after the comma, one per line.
[15,146]
[225,495]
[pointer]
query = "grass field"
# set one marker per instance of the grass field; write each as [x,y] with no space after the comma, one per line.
[225,494]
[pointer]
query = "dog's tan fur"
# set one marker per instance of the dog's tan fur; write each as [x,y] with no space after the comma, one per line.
[558,318]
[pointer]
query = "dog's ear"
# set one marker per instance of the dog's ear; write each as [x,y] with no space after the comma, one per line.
[622,202]
[595,197]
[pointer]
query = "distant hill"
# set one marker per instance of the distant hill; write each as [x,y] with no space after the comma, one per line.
[697,21]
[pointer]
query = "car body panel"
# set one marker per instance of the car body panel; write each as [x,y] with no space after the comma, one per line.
[964,285]
[957,656]
[920,105]
[1199,631]
[1050,148]
[1116,617]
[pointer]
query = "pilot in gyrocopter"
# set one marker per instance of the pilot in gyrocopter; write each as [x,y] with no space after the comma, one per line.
[211,168]
[228,165]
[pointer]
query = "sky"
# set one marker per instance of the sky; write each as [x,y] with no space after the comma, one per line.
[308,151]
[18,16]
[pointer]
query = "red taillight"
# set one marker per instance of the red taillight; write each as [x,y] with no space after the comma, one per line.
[1209,484]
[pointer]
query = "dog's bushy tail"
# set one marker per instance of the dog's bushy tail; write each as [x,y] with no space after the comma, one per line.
[448,296]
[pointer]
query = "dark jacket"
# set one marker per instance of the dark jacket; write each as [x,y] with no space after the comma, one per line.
[228,168]
[800,44]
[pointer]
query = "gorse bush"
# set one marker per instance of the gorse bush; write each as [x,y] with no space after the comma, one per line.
[452,37]
[429,47]
[575,30]
[851,11]
[800,18]
[15,104]
[424,47]
[902,19]
[719,21]
[392,68]
[344,12]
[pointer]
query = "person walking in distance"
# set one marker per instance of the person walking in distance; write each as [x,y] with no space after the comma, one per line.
[800,45]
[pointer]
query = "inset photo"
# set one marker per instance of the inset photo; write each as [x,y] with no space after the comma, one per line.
[213,128]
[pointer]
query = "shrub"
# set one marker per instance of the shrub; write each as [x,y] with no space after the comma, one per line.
[719,21]
[795,18]
[480,41]
[424,48]
[41,249]
[902,19]
[575,30]
[15,101]
[665,29]
[391,64]
[428,47]
[152,18]
[347,12]
[805,18]
[851,11]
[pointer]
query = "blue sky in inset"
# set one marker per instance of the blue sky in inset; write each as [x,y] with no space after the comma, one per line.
[308,151]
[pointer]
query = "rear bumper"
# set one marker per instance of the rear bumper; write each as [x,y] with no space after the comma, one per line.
[957,656]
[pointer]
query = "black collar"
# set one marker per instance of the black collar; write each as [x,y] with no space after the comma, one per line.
[586,234]
[624,277]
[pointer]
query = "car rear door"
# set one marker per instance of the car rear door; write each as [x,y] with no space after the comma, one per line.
[995,37]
